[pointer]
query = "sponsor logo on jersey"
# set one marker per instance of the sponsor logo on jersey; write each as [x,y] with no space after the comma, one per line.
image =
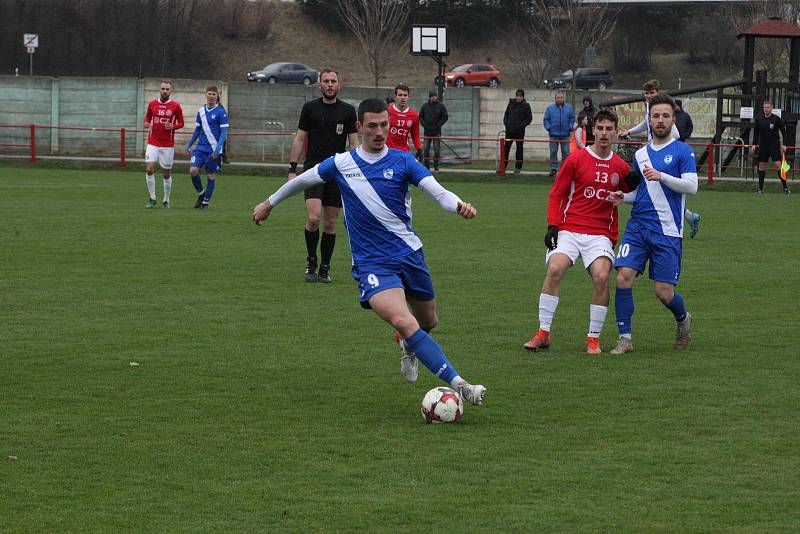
[668,158]
[339,128]
[615,179]
[352,174]
[388,173]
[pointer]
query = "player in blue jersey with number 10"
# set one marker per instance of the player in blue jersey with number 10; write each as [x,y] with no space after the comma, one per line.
[654,232]
[388,263]
[210,133]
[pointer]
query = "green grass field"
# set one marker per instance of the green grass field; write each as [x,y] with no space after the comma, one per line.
[261,402]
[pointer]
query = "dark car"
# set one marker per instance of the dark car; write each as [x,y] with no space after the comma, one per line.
[284,73]
[588,78]
[473,74]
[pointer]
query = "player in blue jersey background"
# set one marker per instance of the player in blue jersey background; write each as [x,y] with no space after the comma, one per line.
[654,232]
[210,132]
[388,262]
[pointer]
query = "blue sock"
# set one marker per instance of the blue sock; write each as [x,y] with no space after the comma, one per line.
[677,307]
[197,183]
[430,353]
[209,190]
[623,304]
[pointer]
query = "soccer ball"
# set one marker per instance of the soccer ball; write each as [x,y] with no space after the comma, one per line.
[442,405]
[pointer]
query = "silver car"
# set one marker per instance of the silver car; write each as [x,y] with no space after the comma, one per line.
[284,73]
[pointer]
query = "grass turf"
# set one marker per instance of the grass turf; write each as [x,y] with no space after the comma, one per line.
[264,403]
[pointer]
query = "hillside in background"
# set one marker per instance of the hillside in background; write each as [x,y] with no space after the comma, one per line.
[290,41]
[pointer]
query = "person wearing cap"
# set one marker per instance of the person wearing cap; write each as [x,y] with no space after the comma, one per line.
[588,109]
[432,117]
[517,116]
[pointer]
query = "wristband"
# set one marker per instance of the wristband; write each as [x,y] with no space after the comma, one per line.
[293,167]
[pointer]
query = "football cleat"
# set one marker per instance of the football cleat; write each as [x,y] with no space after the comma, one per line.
[786,191]
[593,345]
[539,341]
[311,270]
[472,394]
[683,332]
[409,365]
[199,201]
[151,204]
[204,206]
[759,191]
[624,345]
[165,204]
[694,225]
[324,275]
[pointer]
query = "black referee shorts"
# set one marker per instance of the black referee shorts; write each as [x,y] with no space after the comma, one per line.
[765,152]
[328,192]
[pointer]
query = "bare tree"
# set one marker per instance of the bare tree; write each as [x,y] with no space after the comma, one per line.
[531,49]
[378,25]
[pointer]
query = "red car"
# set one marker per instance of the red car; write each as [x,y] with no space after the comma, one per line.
[473,74]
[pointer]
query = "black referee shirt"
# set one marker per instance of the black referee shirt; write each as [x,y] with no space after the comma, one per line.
[766,131]
[327,126]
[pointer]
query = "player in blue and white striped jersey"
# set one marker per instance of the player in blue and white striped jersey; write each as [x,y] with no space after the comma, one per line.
[388,262]
[651,88]
[655,228]
[210,132]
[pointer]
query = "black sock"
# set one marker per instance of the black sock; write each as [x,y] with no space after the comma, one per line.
[312,238]
[328,241]
[761,175]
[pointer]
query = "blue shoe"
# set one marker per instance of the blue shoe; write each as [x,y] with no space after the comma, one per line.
[694,225]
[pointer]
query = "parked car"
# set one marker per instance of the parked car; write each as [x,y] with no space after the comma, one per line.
[285,73]
[588,78]
[473,74]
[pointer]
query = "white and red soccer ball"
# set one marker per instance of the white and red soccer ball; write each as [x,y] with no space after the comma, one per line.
[442,405]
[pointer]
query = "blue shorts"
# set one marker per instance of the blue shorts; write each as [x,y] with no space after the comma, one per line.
[639,245]
[201,158]
[409,272]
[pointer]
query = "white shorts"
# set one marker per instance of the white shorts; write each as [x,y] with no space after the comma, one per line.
[586,246]
[162,155]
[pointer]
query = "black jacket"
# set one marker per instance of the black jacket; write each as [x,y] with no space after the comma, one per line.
[683,122]
[518,115]
[432,117]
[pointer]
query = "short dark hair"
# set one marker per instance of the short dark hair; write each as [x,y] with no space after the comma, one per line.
[402,87]
[166,81]
[370,105]
[662,98]
[679,102]
[328,70]
[606,115]
[212,88]
[652,85]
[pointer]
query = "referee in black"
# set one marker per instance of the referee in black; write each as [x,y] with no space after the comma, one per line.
[766,136]
[326,125]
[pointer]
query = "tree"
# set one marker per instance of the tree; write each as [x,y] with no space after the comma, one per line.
[379,27]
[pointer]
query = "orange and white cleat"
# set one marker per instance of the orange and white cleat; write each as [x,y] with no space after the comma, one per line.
[593,345]
[539,341]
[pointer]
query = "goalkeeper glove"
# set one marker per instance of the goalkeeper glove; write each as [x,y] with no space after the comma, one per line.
[551,237]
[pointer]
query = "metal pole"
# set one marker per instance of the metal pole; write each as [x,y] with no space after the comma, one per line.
[31,55]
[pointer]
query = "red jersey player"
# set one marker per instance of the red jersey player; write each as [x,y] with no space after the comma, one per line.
[403,121]
[166,116]
[582,221]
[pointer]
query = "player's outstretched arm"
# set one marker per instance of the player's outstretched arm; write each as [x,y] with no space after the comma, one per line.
[446,199]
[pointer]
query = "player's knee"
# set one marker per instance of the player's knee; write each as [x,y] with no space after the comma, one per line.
[429,321]
[329,225]
[312,221]
[600,279]
[404,323]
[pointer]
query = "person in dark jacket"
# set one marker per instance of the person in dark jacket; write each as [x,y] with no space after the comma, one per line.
[683,121]
[588,109]
[518,115]
[432,117]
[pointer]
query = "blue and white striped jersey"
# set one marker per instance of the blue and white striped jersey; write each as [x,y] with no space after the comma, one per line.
[656,206]
[211,122]
[377,201]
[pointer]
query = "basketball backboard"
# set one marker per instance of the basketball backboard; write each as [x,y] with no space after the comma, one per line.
[429,40]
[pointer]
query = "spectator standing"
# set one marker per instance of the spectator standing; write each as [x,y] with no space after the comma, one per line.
[558,121]
[516,118]
[683,121]
[432,116]
[588,109]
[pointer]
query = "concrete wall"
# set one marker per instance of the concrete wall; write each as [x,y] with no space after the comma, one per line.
[262,108]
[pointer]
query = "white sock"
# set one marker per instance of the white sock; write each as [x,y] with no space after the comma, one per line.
[547,309]
[167,189]
[597,317]
[626,336]
[150,179]
[687,214]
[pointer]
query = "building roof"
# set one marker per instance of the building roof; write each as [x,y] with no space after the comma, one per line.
[772,27]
